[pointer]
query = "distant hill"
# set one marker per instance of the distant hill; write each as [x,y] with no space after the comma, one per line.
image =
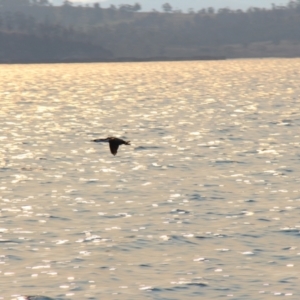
[41,33]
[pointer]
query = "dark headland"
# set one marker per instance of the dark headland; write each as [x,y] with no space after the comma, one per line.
[36,31]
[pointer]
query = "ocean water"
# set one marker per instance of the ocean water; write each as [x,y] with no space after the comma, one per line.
[204,204]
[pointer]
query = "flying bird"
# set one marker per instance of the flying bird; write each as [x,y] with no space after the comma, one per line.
[114,143]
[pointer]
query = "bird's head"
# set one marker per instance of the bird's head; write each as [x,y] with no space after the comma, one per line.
[101,140]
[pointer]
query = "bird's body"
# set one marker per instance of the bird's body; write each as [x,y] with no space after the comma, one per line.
[114,143]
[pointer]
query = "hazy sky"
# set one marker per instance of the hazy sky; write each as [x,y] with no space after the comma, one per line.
[186,4]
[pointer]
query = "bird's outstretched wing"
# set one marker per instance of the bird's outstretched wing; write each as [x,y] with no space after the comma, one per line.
[113,147]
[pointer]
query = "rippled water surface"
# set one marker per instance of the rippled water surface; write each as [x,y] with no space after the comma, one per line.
[204,204]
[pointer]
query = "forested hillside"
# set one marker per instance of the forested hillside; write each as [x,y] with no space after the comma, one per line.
[35,30]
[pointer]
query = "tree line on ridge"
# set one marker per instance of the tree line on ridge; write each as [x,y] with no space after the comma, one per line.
[36,30]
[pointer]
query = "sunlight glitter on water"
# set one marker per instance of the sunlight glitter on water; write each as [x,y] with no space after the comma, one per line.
[202,204]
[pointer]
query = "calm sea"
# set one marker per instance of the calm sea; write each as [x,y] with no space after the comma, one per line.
[205,203]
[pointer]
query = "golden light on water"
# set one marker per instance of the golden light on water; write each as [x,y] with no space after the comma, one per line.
[203,204]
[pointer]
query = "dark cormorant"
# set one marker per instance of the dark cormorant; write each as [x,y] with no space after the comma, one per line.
[114,143]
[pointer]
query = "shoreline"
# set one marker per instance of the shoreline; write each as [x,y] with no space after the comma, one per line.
[110,60]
